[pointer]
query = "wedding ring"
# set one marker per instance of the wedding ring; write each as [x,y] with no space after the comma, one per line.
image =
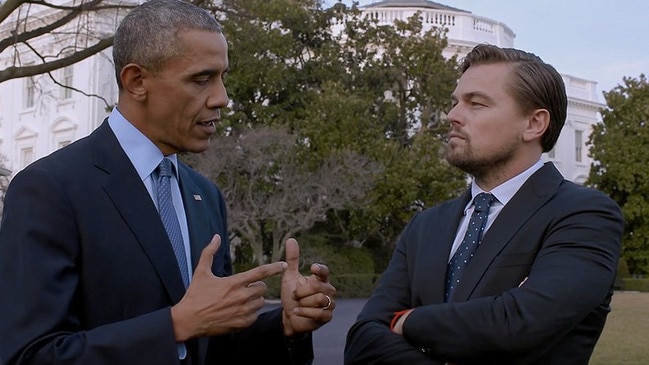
[329,303]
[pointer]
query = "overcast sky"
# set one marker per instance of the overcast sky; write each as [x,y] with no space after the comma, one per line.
[598,40]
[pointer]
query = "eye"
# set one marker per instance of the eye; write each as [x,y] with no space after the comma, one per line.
[475,104]
[202,80]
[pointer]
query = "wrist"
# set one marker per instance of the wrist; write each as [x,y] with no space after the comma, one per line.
[182,332]
[396,325]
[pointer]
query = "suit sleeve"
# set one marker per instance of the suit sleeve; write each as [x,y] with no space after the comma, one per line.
[370,340]
[41,319]
[568,284]
[262,342]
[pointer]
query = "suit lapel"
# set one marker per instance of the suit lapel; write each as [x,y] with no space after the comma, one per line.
[199,227]
[441,233]
[197,217]
[534,193]
[133,202]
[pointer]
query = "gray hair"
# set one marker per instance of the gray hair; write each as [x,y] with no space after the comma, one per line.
[148,35]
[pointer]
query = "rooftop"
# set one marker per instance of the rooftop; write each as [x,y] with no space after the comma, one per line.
[425,4]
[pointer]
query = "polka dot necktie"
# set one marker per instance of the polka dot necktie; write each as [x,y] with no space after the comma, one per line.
[470,243]
[169,217]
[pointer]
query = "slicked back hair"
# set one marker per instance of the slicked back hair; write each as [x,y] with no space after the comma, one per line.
[149,34]
[534,84]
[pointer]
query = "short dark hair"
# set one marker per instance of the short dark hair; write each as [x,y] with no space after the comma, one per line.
[535,84]
[148,35]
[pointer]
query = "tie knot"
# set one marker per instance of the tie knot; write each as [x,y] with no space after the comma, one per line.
[482,202]
[164,168]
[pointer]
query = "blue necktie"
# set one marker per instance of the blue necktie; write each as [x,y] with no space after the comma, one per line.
[470,243]
[169,217]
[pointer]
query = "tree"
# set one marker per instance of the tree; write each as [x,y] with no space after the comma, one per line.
[271,193]
[40,36]
[619,147]
[388,101]
[365,89]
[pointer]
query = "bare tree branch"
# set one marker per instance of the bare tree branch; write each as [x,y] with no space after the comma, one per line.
[268,187]
[8,7]
[106,103]
[70,24]
[14,72]
[21,37]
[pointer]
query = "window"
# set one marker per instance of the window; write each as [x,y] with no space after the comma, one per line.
[578,145]
[62,134]
[30,92]
[26,156]
[66,80]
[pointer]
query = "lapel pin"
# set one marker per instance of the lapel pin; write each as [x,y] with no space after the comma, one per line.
[197,197]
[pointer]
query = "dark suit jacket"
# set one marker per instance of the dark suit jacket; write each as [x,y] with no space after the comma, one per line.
[88,275]
[564,238]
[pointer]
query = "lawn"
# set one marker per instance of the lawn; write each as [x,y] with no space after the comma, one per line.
[625,339]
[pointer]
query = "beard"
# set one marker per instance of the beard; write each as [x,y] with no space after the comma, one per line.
[479,165]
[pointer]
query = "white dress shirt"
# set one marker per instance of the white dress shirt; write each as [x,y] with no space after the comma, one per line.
[503,193]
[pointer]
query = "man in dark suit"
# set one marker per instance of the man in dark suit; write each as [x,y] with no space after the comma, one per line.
[87,269]
[532,282]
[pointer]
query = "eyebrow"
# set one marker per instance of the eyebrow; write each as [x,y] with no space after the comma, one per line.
[472,95]
[210,72]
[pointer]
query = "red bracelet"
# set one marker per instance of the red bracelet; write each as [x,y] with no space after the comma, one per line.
[397,315]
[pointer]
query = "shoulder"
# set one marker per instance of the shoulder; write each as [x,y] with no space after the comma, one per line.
[65,162]
[569,192]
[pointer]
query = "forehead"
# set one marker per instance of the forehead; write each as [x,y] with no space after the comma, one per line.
[488,79]
[201,49]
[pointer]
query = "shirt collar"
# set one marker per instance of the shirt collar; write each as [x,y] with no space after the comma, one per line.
[505,191]
[144,154]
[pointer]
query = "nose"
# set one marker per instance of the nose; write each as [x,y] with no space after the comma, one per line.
[453,115]
[218,97]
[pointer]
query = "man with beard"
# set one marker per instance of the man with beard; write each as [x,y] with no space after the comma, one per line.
[532,280]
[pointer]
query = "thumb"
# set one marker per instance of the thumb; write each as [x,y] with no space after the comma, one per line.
[207,255]
[292,255]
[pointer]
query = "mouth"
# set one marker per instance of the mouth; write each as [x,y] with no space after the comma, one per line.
[454,135]
[208,123]
[208,127]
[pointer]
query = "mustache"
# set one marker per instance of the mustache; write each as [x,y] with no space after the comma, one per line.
[455,133]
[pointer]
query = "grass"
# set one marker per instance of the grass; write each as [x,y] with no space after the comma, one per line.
[625,339]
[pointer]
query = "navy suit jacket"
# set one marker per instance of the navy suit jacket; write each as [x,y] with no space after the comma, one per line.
[562,239]
[88,273]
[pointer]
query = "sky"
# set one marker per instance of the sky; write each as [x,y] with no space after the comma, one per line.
[597,40]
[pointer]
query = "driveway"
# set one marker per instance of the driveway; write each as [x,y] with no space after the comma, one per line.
[329,341]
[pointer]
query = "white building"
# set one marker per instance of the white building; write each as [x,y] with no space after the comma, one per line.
[464,31]
[38,117]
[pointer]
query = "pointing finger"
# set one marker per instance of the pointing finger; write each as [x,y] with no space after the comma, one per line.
[262,272]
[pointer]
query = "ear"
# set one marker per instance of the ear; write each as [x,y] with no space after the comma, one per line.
[132,77]
[537,124]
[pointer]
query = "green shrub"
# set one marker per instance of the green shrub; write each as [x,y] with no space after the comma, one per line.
[633,284]
[623,269]
[354,285]
[351,269]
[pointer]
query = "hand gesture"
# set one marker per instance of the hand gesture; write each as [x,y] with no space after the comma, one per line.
[215,306]
[308,302]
